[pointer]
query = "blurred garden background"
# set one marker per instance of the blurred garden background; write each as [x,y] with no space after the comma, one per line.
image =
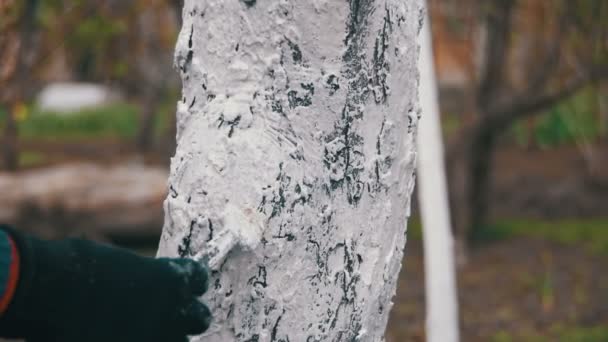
[87,103]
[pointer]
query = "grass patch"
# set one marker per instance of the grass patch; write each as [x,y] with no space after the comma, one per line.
[114,121]
[30,159]
[557,334]
[591,233]
[117,121]
[414,228]
[581,334]
[573,120]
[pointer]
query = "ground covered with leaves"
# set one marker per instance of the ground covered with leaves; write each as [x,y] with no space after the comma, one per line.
[518,288]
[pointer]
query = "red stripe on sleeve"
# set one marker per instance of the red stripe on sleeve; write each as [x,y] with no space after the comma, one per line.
[13,278]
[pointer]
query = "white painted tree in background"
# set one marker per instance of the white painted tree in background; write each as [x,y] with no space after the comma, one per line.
[439,266]
[295,162]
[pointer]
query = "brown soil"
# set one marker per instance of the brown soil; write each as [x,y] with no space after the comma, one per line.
[552,184]
[520,286]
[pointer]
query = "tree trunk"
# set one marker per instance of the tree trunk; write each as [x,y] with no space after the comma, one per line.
[458,185]
[440,277]
[295,163]
[470,178]
[481,155]
[149,104]
[10,151]
[15,77]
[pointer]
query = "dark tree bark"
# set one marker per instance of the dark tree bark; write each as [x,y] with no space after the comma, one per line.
[152,67]
[471,156]
[10,151]
[149,104]
[15,81]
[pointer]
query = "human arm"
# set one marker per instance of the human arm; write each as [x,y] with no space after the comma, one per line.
[77,290]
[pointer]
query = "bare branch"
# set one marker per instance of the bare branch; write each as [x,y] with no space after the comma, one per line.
[498,21]
[539,72]
[504,115]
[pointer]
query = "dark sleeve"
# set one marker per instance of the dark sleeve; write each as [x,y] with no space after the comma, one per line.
[9,269]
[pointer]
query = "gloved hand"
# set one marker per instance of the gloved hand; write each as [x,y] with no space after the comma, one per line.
[76,290]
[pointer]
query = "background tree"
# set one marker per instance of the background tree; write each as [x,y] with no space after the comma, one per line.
[441,293]
[17,51]
[570,53]
[295,163]
[126,44]
[116,43]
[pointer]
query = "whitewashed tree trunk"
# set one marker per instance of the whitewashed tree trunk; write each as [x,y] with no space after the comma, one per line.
[295,163]
[439,266]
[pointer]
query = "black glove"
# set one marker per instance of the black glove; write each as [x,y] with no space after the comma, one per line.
[76,290]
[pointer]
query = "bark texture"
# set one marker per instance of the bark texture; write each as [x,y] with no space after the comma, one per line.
[295,163]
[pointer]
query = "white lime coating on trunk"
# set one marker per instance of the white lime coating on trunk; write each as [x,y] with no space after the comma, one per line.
[240,228]
[295,163]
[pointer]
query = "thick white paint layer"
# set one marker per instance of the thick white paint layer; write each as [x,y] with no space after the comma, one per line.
[439,266]
[295,163]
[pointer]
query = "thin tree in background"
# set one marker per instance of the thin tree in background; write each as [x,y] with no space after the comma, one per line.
[439,267]
[570,53]
[16,50]
[157,27]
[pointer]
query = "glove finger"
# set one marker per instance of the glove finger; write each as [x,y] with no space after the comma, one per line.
[199,279]
[196,275]
[195,318]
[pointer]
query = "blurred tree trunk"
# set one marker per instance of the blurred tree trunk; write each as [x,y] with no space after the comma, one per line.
[149,71]
[17,58]
[10,151]
[470,182]
[602,108]
[177,6]
[295,163]
[149,105]
[509,90]
[158,23]
[169,144]
[472,155]
[439,267]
